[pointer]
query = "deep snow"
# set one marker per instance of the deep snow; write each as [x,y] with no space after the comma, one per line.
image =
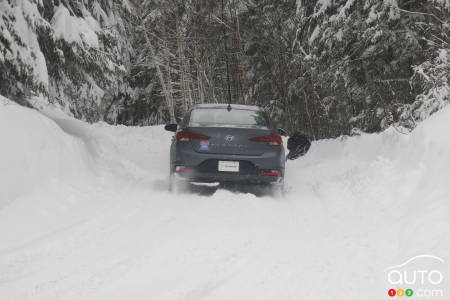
[84,214]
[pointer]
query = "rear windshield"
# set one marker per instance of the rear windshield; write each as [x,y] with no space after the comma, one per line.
[223,117]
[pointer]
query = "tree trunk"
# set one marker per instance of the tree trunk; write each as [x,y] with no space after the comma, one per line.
[181,67]
[189,82]
[201,96]
[245,86]
[169,87]
[316,110]
[167,97]
[226,53]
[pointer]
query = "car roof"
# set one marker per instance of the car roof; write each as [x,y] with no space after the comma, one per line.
[223,105]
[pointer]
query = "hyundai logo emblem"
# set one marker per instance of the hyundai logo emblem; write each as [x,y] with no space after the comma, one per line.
[229,138]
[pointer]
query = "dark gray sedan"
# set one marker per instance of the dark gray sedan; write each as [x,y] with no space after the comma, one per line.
[220,143]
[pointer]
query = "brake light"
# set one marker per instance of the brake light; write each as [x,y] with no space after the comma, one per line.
[271,173]
[272,140]
[186,136]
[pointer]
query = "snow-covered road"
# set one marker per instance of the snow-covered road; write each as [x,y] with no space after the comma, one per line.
[85,214]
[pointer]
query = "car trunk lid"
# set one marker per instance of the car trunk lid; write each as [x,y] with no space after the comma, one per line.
[230,141]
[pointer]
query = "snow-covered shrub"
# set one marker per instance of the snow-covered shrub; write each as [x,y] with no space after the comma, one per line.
[433,77]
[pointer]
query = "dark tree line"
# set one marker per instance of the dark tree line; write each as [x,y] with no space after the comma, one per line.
[326,68]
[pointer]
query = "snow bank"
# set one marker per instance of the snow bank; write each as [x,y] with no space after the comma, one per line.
[35,151]
[89,217]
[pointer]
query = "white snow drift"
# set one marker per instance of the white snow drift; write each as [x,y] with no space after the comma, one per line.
[84,214]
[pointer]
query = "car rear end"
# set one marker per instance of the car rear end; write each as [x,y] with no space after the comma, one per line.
[219,144]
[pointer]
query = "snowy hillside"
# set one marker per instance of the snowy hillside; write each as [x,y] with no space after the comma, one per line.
[85,214]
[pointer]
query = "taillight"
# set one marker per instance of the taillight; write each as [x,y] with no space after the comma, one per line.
[186,136]
[272,140]
[270,173]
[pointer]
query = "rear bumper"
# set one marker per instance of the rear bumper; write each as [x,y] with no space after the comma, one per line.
[250,171]
[224,177]
[203,167]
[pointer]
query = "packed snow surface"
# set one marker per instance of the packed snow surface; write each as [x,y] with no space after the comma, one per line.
[85,214]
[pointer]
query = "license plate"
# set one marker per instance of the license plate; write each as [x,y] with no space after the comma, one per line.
[228,166]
